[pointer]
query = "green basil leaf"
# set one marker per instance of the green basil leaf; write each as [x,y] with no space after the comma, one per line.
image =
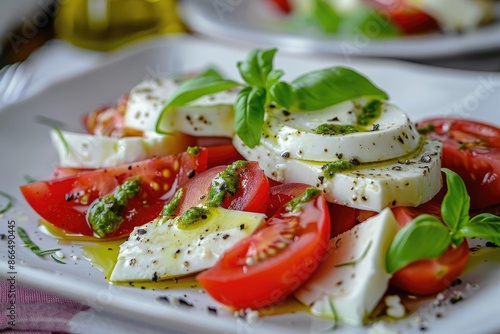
[456,204]
[282,93]
[485,226]
[368,23]
[274,76]
[424,238]
[249,114]
[210,72]
[320,89]
[326,16]
[255,69]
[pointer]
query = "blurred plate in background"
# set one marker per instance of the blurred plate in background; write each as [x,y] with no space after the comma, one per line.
[255,22]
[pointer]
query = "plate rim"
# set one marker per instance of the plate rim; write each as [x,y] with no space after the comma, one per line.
[131,52]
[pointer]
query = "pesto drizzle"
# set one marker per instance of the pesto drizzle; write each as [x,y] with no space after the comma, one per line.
[226,182]
[295,205]
[173,204]
[192,217]
[193,150]
[370,113]
[105,214]
[331,168]
[335,129]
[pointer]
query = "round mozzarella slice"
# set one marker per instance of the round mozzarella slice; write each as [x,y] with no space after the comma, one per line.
[293,134]
[80,150]
[211,115]
[410,180]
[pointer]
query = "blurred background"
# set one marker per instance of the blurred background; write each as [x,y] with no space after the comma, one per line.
[56,38]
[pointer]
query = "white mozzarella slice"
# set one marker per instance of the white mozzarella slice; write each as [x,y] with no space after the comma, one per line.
[81,150]
[160,249]
[407,181]
[293,134]
[352,279]
[210,115]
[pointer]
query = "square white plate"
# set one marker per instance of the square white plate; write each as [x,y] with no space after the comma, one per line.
[25,149]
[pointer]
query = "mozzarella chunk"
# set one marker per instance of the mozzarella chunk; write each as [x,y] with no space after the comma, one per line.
[349,283]
[210,115]
[160,249]
[81,150]
[407,181]
[294,134]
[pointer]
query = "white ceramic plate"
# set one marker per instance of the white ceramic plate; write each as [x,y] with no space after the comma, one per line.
[25,149]
[253,21]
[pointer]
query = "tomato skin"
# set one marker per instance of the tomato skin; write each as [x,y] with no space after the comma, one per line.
[428,276]
[222,155]
[478,164]
[409,19]
[110,120]
[64,202]
[60,172]
[252,194]
[235,283]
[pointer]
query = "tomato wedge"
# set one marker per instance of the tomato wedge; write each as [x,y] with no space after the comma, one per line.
[409,19]
[65,202]
[252,194]
[431,275]
[273,262]
[283,5]
[222,155]
[472,150]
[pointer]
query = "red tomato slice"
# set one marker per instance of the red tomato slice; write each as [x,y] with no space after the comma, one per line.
[269,265]
[432,275]
[471,149]
[282,5]
[409,19]
[64,202]
[110,120]
[222,155]
[252,194]
[61,172]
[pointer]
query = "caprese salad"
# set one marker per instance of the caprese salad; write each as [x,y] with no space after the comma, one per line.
[318,188]
[387,18]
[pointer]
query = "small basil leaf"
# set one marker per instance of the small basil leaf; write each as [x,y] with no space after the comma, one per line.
[320,89]
[255,69]
[368,23]
[210,72]
[274,76]
[265,59]
[249,114]
[456,204]
[282,93]
[326,16]
[424,238]
[485,226]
